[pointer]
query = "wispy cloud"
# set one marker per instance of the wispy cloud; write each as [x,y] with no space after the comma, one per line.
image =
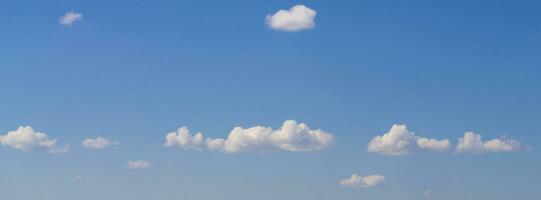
[138,164]
[97,143]
[362,182]
[428,193]
[69,18]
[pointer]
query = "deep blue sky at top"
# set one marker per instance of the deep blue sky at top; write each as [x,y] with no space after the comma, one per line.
[135,70]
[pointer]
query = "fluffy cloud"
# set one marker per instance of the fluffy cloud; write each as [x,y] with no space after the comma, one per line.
[138,164]
[363,182]
[183,138]
[25,138]
[472,143]
[292,136]
[297,18]
[69,18]
[98,143]
[400,141]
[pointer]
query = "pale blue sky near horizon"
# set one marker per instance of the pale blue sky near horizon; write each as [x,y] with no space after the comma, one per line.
[133,71]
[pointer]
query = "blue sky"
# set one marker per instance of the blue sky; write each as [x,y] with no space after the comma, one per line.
[134,71]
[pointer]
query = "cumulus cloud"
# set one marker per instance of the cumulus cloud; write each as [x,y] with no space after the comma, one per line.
[292,136]
[297,18]
[363,182]
[138,164]
[400,141]
[183,138]
[69,18]
[26,138]
[97,143]
[472,143]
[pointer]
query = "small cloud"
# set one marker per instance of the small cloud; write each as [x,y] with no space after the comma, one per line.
[69,18]
[184,139]
[292,136]
[363,182]
[60,150]
[297,18]
[472,143]
[138,164]
[400,141]
[428,193]
[25,138]
[97,143]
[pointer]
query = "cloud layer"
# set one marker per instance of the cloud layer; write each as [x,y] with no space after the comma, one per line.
[97,143]
[138,164]
[362,182]
[297,18]
[292,136]
[69,18]
[472,143]
[26,138]
[400,141]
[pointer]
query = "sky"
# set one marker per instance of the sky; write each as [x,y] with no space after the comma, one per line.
[304,100]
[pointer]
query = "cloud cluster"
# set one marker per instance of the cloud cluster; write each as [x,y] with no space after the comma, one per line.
[97,143]
[26,138]
[297,18]
[138,164]
[400,141]
[472,143]
[69,18]
[363,182]
[292,136]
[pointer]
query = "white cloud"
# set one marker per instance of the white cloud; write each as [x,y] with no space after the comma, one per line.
[183,138]
[69,18]
[98,143]
[400,141]
[397,141]
[138,164]
[25,138]
[472,143]
[297,18]
[363,182]
[292,136]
